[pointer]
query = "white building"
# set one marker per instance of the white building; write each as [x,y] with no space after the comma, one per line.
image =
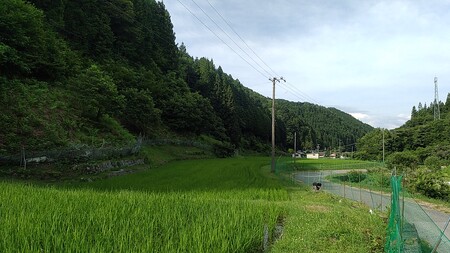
[312,156]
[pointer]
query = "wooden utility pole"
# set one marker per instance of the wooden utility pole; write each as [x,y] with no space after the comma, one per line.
[295,146]
[274,80]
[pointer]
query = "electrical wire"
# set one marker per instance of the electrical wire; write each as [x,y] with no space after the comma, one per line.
[237,34]
[243,41]
[288,86]
[293,89]
[232,49]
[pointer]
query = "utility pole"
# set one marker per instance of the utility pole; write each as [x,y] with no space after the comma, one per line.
[339,150]
[295,146]
[274,80]
[437,112]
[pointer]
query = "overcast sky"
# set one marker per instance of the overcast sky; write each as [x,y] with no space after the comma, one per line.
[372,59]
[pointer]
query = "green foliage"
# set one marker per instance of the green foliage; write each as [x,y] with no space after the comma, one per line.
[431,184]
[422,135]
[433,163]
[111,62]
[402,161]
[140,114]
[115,128]
[317,125]
[374,178]
[98,93]
[353,176]
[220,148]
[27,47]
[31,116]
[370,146]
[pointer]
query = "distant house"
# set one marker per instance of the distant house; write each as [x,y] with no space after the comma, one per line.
[299,154]
[312,156]
[333,155]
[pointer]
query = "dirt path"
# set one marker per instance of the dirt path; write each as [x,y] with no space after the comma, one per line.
[428,221]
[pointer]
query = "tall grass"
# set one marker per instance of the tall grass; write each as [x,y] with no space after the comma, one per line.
[155,214]
[215,205]
[52,220]
[196,175]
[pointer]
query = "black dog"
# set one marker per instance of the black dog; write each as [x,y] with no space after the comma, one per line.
[316,186]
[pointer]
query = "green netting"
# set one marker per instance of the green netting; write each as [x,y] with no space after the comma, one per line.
[412,227]
[429,224]
[394,242]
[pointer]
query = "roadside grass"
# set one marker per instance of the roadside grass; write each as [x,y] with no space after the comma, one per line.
[379,180]
[321,222]
[208,205]
[375,180]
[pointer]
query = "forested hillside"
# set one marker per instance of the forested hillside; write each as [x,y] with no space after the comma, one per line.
[420,150]
[100,72]
[422,136]
[317,125]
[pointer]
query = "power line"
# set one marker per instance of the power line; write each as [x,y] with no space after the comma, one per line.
[237,34]
[287,86]
[291,88]
[218,26]
[311,99]
[298,94]
[232,49]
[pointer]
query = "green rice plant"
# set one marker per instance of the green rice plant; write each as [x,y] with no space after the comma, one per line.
[37,219]
[214,205]
[194,175]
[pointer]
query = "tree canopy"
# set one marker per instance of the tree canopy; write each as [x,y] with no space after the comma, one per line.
[92,72]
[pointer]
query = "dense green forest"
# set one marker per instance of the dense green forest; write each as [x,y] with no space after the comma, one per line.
[316,125]
[100,72]
[422,136]
[419,149]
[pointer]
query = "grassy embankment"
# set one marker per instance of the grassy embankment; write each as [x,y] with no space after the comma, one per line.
[210,205]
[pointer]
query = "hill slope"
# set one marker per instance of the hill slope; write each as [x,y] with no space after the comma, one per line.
[421,135]
[98,73]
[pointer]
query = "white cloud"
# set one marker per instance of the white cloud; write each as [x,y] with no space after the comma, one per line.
[379,56]
[360,116]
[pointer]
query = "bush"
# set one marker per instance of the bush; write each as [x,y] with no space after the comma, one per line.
[356,176]
[431,184]
[402,161]
[433,163]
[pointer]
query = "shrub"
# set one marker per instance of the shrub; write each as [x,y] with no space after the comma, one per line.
[402,161]
[433,163]
[431,184]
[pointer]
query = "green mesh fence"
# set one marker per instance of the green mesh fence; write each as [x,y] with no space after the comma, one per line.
[394,242]
[412,227]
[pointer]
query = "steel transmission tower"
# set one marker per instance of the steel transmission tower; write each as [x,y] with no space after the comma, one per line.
[437,112]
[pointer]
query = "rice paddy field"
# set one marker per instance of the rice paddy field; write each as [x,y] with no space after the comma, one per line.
[209,205]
